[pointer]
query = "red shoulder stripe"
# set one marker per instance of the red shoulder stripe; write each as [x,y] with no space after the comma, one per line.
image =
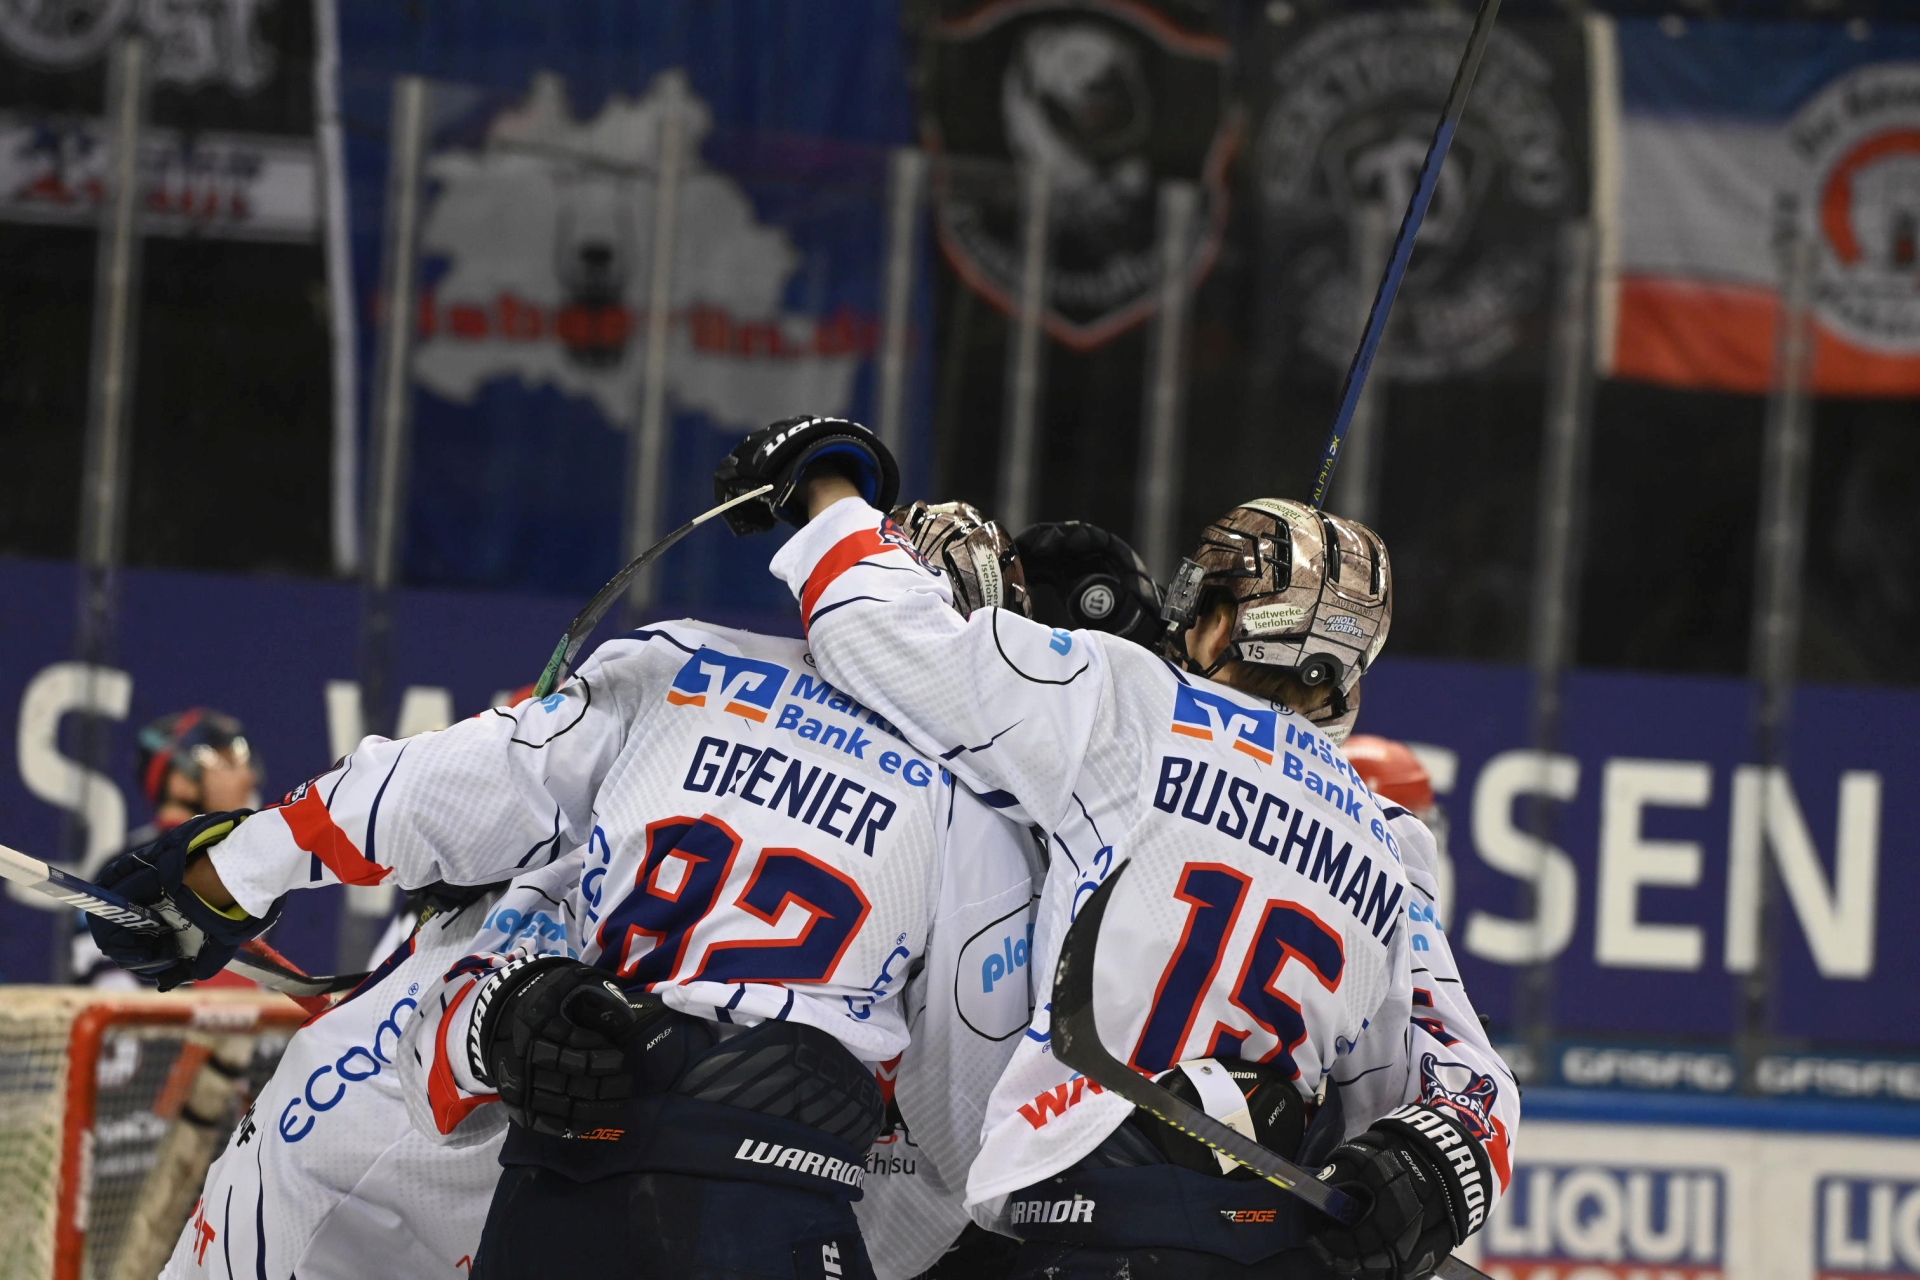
[315,831]
[843,555]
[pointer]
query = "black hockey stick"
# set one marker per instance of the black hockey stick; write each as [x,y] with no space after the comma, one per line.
[560,665]
[256,960]
[1383,297]
[1076,1042]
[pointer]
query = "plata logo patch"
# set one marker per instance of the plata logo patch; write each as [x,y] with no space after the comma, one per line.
[744,687]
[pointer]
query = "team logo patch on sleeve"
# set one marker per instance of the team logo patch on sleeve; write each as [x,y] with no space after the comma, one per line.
[739,686]
[1198,712]
[1466,1094]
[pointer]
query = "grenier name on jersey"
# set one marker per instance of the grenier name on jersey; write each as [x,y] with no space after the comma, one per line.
[836,803]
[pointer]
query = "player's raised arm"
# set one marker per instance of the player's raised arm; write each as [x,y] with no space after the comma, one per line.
[481,801]
[1000,699]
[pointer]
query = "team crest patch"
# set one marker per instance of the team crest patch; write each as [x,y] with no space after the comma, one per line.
[1465,1094]
[745,687]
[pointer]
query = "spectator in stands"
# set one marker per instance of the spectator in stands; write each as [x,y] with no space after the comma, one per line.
[189,762]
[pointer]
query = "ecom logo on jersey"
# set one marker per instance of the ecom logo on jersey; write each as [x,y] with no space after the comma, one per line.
[1868,1227]
[738,686]
[1197,712]
[1592,1221]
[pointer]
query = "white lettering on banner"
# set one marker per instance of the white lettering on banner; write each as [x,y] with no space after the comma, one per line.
[1629,860]
[63,689]
[1870,1225]
[1648,1068]
[1837,919]
[423,709]
[1524,856]
[1610,1214]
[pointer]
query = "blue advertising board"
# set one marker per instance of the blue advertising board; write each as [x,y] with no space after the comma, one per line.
[1645,891]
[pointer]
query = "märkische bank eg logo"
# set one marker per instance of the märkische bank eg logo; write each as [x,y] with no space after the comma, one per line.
[744,687]
[1198,712]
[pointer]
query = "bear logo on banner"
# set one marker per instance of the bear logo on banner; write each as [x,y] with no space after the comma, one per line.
[546,229]
[1110,98]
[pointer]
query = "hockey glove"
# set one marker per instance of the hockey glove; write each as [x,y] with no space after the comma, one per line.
[781,455]
[547,1034]
[1100,582]
[1421,1182]
[151,875]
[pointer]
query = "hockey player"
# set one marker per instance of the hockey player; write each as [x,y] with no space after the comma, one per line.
[1275,934]
[324,1177]
[694,1095]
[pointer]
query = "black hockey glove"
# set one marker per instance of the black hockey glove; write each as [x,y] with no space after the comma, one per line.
[781,455]
[1421,1182]
[152,875]
[1099,580]
[548,1035]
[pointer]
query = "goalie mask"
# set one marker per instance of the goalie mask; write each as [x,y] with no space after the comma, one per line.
[976,555]
[1312,594]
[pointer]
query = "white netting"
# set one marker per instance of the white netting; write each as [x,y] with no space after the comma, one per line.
[134,1045]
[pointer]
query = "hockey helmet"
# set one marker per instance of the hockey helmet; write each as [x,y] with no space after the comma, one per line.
[182,741]
[1312,594]
[976,555]
[1391,771]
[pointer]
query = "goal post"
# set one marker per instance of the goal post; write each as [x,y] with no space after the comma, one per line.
[92,1087]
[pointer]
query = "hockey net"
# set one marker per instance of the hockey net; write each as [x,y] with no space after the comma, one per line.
[107,1102]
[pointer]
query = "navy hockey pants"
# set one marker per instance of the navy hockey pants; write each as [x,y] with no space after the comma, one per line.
[1048,1260]
[665,1226]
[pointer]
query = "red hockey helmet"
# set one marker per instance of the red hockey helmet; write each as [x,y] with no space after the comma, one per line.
[1391,770]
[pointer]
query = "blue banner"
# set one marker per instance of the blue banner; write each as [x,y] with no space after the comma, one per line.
[1647,907]
[542,185]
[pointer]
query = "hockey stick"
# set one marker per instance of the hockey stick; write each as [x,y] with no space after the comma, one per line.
[560,665]
[1423,190]
[1076,1042]
[256,960]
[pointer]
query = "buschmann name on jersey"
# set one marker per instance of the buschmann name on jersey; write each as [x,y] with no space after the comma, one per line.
[1596,1221]
[1869,1226]
[1033,1212]
[739,686]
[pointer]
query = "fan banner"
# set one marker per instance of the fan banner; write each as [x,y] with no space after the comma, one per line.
[229,149]
[1724,142]
[542,182]
[1344,109]
[1111,98]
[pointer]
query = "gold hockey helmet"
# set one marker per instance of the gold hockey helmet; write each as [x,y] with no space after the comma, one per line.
[1312,594]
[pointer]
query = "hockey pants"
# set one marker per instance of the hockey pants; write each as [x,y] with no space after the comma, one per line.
[665,1226]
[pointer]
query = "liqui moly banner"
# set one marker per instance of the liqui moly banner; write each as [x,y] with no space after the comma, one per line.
[1718,143]
[543,181]
[1739,1191]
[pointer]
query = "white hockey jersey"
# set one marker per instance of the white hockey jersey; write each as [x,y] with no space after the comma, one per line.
[966,1003]
[1275,911]
[323,1178]
[758,844]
